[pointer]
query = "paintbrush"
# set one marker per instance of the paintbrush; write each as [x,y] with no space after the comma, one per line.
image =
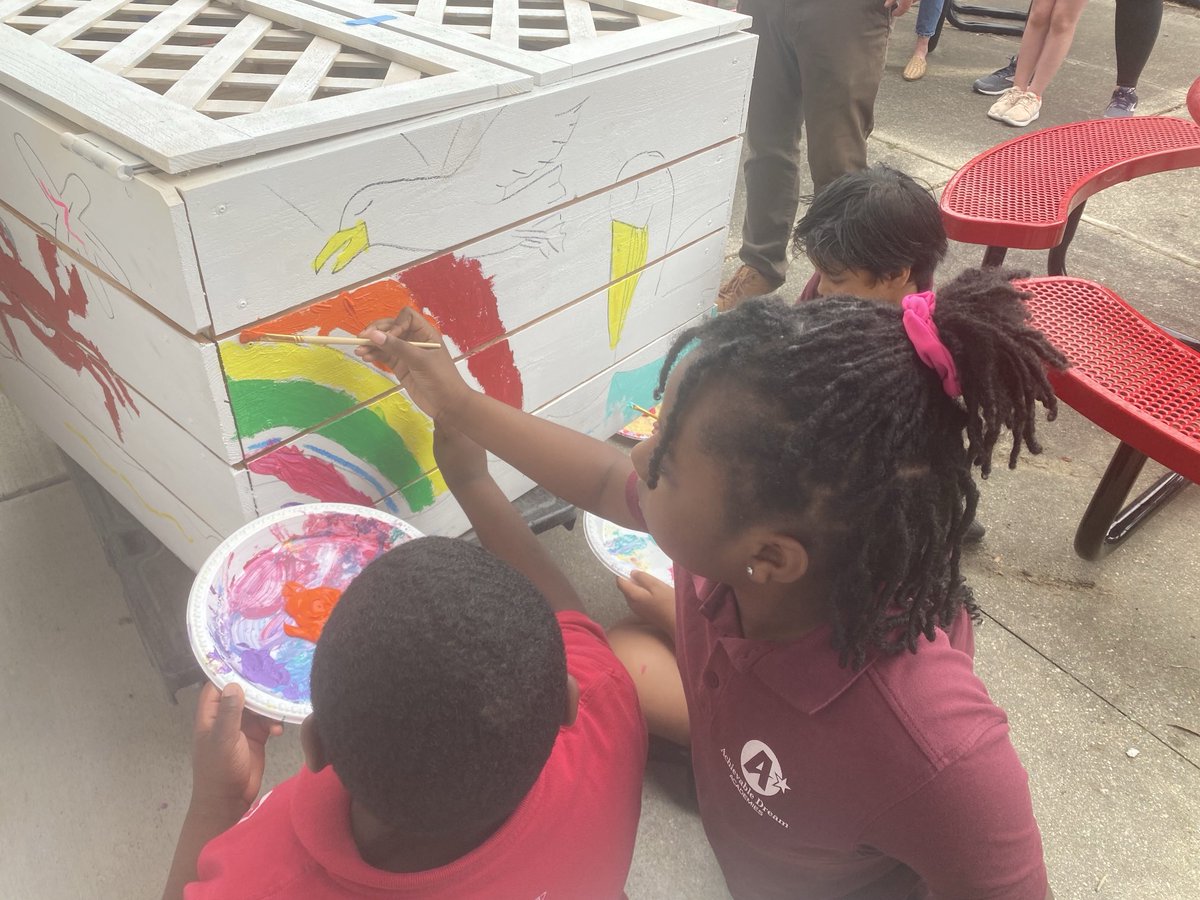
[330,340]
[645,412]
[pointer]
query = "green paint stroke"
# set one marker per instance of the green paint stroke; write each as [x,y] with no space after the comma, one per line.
[262,405]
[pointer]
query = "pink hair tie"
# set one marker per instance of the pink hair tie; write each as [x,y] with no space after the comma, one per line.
[918,322]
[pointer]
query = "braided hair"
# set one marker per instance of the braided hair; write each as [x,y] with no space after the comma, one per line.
[833,430]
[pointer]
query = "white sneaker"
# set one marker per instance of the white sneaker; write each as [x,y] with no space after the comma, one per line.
[1004,103]
[1023,111]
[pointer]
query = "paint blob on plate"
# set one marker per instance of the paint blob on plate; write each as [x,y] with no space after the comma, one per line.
[260,600]
[640,428]
[625,551]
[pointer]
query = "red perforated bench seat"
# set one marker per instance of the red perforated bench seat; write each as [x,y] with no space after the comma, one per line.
[1019,194]
[1128,376]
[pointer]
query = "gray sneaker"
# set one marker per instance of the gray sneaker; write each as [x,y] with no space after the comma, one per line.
[1124,101]
[999,81]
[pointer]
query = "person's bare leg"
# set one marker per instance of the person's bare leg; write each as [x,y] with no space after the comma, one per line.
[1063,19]
[649,657]
[922,47]
[1036,28]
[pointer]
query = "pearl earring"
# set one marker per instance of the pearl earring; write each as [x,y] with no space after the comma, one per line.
[750,571]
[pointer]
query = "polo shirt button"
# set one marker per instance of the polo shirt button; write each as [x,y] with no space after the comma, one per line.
[711,679]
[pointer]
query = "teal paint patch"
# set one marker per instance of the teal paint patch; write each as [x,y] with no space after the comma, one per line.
[635,386]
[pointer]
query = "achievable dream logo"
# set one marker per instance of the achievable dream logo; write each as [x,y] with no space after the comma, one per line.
[760,774]
[760,766]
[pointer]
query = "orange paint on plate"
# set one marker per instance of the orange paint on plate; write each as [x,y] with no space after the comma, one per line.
[310,607]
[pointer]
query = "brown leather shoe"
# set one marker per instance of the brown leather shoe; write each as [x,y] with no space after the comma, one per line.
[746,282]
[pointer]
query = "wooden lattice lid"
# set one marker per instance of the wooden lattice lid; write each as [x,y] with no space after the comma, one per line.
[188,83]
[549,39]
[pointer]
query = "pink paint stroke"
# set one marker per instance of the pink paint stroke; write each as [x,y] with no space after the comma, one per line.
[312,477]
[66,210]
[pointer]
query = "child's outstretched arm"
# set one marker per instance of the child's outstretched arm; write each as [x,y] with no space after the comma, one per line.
[580,469]
[228,756]
[497,523]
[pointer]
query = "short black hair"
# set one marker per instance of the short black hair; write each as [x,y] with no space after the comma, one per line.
[831,428]
[877,220]
[438,686]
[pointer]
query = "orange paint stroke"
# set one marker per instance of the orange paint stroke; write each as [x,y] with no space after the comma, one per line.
[310,607]
[350,312]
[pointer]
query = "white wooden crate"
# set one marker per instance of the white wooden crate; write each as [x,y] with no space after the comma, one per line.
[274,232]
[188,83]
[559,235]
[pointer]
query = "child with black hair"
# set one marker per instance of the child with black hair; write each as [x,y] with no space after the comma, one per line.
[455,748]
[811,480]
[875,234]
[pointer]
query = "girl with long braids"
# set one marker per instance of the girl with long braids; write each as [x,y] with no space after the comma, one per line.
[811,478]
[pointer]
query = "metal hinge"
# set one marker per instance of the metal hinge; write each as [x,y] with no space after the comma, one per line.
[105,155]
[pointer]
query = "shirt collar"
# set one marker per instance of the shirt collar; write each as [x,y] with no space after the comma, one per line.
[804,671]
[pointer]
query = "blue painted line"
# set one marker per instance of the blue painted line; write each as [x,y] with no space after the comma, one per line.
[362,473]
[388,496]
[373,20]
[258,445]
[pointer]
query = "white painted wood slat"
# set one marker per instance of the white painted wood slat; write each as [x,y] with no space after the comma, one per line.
[580,25]
[10,8]
[397,73]
[430,10]
[162,132]
[302,81]
[506,23]
[149,35]
[203,78]
[274,128]
[77,21]
[384,43]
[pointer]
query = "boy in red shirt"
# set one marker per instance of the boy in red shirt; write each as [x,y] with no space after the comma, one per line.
[454,750]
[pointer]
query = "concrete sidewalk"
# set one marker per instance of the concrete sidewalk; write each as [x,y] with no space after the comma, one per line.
[1092,661]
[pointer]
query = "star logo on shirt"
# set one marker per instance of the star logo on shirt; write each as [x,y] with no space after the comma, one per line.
[761,769]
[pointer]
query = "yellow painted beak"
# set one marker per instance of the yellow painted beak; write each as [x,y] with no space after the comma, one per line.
[347,244]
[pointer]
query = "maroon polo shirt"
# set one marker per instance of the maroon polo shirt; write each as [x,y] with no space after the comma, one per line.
[891,782]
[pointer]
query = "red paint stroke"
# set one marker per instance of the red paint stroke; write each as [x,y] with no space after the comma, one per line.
[451,291]
[457,293]
[48,317]
[310,607]
[306,475]
[66,210]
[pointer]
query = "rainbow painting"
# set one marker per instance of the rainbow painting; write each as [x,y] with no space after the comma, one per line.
[259,602]
[331,427]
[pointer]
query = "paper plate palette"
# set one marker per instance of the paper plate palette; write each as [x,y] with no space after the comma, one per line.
[625,551]
[272,582]
[640,428]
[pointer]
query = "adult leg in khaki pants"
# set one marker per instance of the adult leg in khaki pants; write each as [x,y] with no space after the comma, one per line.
[819,62]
